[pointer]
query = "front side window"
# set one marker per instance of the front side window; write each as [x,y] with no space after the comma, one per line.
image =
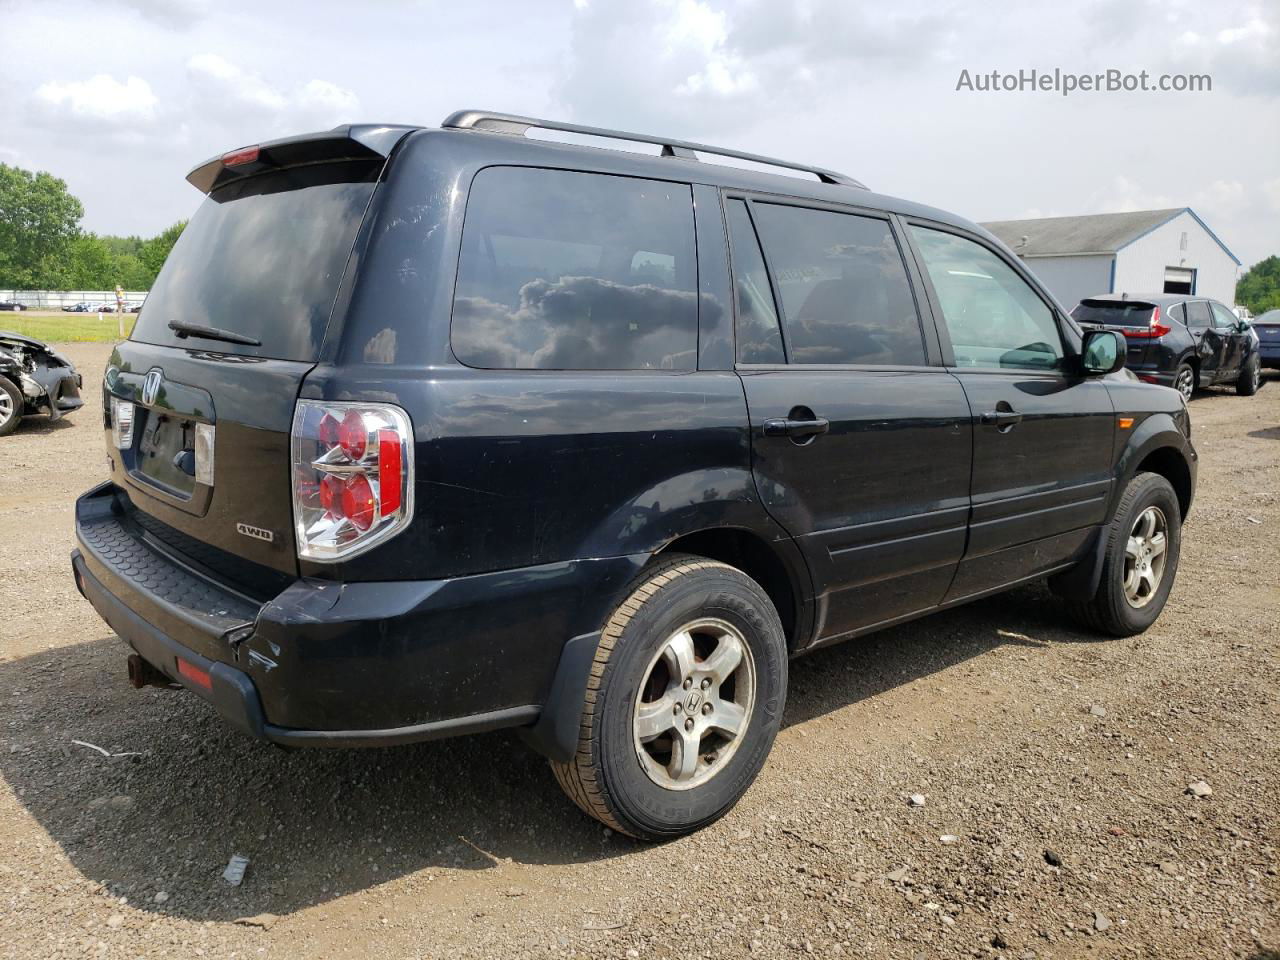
[993,316]
[843,285]
[1223,319]
[563,270]
[756,326]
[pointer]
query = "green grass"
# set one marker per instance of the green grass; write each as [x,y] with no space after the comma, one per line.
[64,327]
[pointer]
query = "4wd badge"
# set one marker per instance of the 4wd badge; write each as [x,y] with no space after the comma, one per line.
[256,532]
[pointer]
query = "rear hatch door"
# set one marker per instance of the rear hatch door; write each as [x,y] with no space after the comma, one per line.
[1133,318]
[213,367]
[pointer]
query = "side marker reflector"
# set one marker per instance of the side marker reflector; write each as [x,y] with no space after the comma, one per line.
[194,674]
[1126,423]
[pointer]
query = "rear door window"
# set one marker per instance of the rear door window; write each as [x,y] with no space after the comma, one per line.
[843,285]
[1198,315]
[262,258]
[756,327]
[994,317]
[563,270]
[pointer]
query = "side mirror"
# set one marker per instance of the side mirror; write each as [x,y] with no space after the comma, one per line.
[1103,352]
[1243,326]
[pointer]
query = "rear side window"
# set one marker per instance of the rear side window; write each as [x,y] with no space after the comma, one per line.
[1198,315]
[843,286]
[758,336]
[993,316]
[576,271]
[1179,313]
[263,257]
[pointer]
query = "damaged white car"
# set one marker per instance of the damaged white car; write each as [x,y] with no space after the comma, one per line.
[34,378]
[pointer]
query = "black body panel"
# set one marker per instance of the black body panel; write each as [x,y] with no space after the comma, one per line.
[539,494]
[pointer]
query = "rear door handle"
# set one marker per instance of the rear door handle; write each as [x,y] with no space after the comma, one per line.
[1002,420]
[796,428]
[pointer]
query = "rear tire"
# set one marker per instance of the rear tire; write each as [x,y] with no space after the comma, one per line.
[11,404]
[1144,540]
[650,693]
[1250,378]
[1184,380]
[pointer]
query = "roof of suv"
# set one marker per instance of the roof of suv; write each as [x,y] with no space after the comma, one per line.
[505,134]
[1160,299]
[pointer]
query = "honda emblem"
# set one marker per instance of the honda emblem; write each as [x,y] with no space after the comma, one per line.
[151,386]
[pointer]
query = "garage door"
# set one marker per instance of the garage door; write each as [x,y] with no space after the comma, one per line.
[1179,280]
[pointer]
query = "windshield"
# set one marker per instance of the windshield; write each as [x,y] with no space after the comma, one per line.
[262,257]
[1112,314]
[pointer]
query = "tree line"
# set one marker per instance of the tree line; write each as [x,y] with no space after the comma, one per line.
[43,247]
[1259,288]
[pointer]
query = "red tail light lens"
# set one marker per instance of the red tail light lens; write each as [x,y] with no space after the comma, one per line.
[1155,329]
[237,157]
[352,476]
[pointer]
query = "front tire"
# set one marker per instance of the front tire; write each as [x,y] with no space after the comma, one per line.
[1144,541]
[11,404]
[683,703]
[1250,378]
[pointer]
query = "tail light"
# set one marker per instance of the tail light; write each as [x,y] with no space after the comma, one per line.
[121,423]
[352,476]
[1155,329]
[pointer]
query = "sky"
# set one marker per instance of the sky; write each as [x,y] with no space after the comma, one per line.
[121,98]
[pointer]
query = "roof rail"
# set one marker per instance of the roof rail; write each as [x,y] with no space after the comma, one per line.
[518,126]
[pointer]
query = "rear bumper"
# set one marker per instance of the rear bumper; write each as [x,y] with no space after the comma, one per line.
[1269,354]
[345,664]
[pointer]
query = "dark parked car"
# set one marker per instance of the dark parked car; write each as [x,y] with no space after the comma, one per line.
[435,431]
[81,307]
[1179,341]
[12,305]
[34,378]
[1267,328]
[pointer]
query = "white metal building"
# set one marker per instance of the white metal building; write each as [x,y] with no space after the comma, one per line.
[1146,251]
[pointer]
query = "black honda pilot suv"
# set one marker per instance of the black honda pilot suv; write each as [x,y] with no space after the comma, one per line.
[425,432]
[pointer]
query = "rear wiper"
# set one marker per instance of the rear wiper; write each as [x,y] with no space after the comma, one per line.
[211,333]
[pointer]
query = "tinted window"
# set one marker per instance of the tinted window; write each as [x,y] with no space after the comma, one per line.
[1112,313]
[759,340]
[994,317]
[564,271]
[1179,313]
[262,257]
[1223,318]
[845,296]
[1198,315]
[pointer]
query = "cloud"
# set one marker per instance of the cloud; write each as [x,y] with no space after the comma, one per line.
[218,76]
[1271,190]
[170,13]
[101,100]
[226,90]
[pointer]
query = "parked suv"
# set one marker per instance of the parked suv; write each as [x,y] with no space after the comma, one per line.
[425,432]
[1179,341]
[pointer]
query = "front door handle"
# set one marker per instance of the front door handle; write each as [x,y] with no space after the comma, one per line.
[1002,420]
[796,428]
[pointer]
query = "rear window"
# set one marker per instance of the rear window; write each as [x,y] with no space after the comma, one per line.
[262,257]
[563,270]
[1112,314]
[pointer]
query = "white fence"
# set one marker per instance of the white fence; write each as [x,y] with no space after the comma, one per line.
[57,299]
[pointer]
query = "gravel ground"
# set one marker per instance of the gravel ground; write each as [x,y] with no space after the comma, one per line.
[1054,769]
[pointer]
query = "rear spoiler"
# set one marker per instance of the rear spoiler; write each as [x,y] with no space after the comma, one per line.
[346,142]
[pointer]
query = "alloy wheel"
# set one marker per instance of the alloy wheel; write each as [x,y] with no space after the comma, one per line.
[6,408]
[1186,383]
[1145,554]
[694,704]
